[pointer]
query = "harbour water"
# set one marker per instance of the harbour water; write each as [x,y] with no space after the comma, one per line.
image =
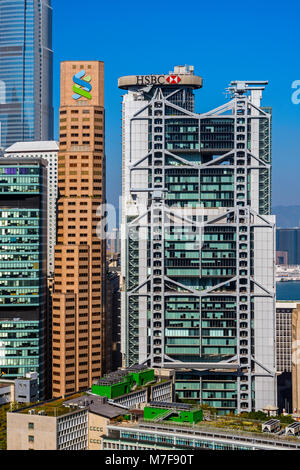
[288,290]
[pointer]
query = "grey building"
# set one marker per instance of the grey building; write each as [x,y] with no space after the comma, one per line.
[198,239]
[21,390]
[24,311]
[26,71]
[49,152]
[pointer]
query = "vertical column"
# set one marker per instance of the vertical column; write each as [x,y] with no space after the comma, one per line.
[243,241]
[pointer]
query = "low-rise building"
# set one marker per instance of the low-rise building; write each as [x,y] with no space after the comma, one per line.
[21,390]
[89,422]
[168,436]
[49,426]
[73,424]
[26,388]
[7,391]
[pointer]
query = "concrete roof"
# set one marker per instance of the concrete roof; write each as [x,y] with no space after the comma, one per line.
[96,405]
[37,146]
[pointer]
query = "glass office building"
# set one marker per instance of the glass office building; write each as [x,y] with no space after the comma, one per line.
[198,240]
[288,240]
[26,71]
[23,268]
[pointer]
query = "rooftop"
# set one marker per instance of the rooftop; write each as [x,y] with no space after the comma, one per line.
[96,405]
[120,374]
[16,161]
[54,408]
[37,146]
[210,429]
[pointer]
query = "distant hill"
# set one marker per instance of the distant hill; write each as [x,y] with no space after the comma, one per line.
[287,216]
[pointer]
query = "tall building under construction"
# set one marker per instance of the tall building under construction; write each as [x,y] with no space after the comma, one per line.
[198,243]
[79,284]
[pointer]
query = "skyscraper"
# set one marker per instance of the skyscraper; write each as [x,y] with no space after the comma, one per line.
[198,241]
[23,268]
[80,261]
[288,240]
[49,152]
[26,71]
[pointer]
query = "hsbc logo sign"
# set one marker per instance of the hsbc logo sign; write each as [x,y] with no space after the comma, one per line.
[173,79]
[157,80]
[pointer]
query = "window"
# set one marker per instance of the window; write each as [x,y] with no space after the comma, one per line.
[30,438]
[30,425]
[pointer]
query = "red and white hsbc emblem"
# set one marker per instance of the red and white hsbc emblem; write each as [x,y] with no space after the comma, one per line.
[173,79]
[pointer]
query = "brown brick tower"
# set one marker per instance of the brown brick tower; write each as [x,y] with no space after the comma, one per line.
[79,294]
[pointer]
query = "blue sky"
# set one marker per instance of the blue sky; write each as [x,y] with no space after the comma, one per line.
[225,41]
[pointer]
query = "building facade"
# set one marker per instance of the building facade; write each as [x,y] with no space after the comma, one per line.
[49,152]
[288,241]
[198,240]
[23,268]
[76,423]
[26,388]
[26,71]
[296,359]
[78,299]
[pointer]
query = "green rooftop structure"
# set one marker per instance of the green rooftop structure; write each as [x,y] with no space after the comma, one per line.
[173,412]
[122,382]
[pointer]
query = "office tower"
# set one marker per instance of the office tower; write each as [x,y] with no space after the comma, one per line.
[284,312]
[288,240]
[198,241]
[26,75]
[23,268]
[80,259]
[49,152]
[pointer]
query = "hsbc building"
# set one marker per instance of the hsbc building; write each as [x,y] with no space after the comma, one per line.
[197,257]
